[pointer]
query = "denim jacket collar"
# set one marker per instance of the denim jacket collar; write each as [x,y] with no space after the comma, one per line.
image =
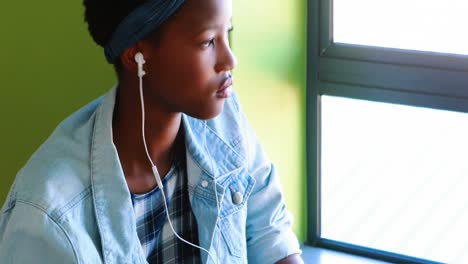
[111,195]
[209,150]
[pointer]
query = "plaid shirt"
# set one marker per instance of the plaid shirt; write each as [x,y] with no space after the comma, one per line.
[157,239]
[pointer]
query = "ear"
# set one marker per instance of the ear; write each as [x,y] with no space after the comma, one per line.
[127,58]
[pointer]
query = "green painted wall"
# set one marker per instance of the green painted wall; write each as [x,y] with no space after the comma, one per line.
[269,40]
[49,67]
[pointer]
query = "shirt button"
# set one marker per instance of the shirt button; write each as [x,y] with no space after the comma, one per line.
[237,198]
[204,183]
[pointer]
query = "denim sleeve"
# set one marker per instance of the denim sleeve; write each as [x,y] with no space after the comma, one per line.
[28,235]
[269,224]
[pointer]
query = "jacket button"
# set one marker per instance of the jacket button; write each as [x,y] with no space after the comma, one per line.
[237,198]
[204,183]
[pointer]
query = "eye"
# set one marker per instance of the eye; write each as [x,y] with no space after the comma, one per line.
[208,43]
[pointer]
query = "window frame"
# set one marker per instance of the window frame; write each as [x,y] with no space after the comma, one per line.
[414,78]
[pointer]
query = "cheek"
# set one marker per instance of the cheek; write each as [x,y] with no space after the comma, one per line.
[196,69]
[181,70]
[185,80]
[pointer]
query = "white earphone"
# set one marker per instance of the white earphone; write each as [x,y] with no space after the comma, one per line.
[140,60]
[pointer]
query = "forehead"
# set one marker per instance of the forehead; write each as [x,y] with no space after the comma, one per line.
[199,14]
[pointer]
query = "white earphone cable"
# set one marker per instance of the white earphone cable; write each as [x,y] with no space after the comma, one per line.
[156,174]
[142,103]
[158,177]
[215,183]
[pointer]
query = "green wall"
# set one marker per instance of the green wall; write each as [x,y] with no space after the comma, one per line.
[269,40]
[49,67]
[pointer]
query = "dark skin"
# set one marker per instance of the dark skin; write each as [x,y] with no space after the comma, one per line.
[187,62]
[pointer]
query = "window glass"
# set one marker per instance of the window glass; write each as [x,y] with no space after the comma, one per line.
[425,25]
[395,178]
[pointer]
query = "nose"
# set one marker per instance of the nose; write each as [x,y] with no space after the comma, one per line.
[226,60]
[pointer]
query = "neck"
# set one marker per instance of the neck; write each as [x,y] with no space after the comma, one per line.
[161,130]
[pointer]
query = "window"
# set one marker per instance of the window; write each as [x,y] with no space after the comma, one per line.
[387,125]
[424,25]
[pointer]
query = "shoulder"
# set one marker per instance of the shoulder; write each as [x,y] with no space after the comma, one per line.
[58,171]
[32,229]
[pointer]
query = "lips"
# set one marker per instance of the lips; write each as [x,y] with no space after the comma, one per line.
[224,90]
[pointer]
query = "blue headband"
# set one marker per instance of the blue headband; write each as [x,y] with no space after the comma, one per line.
[139,24]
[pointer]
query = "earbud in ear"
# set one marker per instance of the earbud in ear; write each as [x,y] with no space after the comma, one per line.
[140,60]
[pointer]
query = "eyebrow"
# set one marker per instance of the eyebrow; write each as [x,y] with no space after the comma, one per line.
[213,26]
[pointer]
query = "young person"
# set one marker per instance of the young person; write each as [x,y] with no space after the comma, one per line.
[164,167]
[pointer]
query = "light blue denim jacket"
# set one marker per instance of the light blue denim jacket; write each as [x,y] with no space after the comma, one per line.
[71,203]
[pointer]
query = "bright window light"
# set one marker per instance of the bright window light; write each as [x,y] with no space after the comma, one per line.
[425,25]
[395,178]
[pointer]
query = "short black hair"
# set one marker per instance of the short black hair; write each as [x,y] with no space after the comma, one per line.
[103,17]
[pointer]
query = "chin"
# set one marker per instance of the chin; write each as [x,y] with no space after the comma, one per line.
[207,113]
